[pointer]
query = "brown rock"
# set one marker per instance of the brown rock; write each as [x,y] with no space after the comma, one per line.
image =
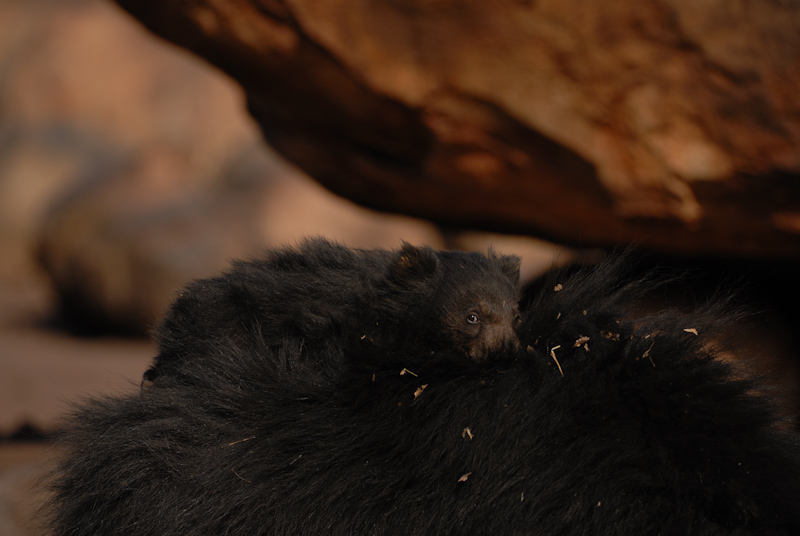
[84,89]
[119,245]
[672,124]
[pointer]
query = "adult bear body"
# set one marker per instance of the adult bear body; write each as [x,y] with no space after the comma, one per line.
[597,425]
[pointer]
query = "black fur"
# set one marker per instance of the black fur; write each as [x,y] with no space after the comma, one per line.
[338,300]
[597,425]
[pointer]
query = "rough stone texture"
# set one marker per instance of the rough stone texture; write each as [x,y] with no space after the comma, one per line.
[671,123]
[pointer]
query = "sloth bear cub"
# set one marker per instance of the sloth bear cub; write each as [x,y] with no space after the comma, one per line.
[600,422]
[335,300]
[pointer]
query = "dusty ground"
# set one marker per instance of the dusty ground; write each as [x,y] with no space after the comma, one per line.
[42,372]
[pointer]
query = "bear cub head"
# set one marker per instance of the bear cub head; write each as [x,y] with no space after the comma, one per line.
[462,302]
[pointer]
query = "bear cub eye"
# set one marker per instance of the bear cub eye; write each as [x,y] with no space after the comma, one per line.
[472,318]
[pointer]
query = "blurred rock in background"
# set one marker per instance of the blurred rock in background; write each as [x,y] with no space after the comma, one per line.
[83,90]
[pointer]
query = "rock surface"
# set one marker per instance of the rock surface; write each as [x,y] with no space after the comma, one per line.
[672,124]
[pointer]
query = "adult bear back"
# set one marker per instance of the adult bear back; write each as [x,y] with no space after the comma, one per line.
[600,423]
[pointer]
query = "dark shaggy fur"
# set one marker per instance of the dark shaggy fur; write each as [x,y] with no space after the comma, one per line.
[338,300]
[636,430]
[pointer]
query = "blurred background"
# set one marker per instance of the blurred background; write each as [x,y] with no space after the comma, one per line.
[129,165]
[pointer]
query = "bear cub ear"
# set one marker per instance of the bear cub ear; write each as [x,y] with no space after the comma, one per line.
[508,265]
[414,264]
